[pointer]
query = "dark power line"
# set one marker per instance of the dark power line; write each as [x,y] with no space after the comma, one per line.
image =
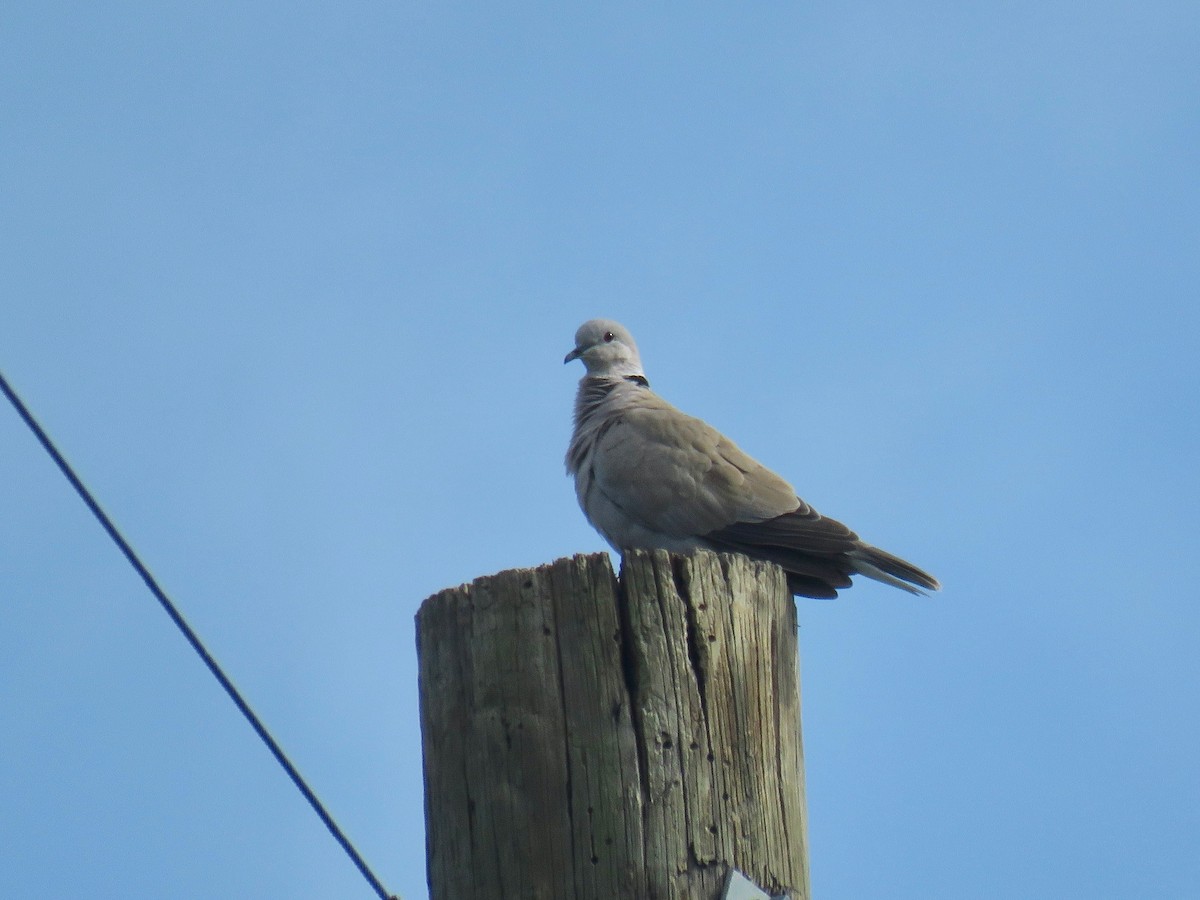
[181,623]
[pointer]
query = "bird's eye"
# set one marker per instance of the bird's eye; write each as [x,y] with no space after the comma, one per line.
[608,337]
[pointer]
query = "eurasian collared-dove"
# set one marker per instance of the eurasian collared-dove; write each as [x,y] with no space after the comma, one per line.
[650,476]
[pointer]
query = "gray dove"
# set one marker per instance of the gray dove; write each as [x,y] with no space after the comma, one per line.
[649,476]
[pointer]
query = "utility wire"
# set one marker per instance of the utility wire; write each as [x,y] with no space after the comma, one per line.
[176,617]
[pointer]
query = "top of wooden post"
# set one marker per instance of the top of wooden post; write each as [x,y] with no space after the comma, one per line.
[587,737]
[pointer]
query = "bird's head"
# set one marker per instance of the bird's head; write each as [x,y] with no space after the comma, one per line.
[606,348]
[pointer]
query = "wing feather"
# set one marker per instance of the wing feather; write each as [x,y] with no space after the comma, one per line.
[676,475]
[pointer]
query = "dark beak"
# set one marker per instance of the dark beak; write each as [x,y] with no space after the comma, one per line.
[574,354]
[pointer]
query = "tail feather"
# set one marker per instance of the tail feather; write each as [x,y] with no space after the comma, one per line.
[819,554]
[883,566]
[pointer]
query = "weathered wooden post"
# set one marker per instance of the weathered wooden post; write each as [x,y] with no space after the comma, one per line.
[589,739]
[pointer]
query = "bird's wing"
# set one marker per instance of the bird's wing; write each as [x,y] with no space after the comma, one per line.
[673,474]
[802,529]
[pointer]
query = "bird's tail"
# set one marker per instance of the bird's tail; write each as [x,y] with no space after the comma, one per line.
[882,566]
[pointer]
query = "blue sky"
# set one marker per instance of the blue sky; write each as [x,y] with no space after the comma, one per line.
[291,285]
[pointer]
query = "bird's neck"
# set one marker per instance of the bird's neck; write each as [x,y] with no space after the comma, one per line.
[597,391]
[597,397]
